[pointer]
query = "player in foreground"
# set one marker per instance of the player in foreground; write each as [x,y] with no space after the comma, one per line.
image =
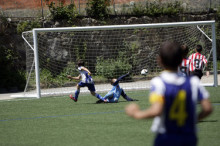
[116,91]
[86,81]
[174,99]
[197,62]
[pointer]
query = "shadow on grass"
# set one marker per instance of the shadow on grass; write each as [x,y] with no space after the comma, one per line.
[101,102]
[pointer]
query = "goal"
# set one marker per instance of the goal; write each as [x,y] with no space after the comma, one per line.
[108,52]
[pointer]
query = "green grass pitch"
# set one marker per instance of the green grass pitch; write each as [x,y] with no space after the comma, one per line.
[60,121]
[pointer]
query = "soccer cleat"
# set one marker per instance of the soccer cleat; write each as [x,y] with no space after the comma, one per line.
[73,98]
[99,101]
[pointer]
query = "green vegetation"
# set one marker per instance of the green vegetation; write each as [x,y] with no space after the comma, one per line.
[50,79]
[218,65]
[60,11]
[80,50]
[111,68]
[157,8]
[60,121]
[4,24]
[11,75]
[98,9]
[27,26]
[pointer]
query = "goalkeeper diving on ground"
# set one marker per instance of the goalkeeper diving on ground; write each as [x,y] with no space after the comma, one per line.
[114,94]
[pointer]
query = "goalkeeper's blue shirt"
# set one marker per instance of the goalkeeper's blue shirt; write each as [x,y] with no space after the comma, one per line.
[179,95]
[116,90]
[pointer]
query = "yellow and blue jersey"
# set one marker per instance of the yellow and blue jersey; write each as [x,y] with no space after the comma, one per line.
[179,95]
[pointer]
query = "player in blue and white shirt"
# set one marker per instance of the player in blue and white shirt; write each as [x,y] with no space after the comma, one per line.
[116,91]
[174,100]
[86,81]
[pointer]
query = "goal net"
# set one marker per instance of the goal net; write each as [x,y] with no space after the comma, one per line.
[108,52]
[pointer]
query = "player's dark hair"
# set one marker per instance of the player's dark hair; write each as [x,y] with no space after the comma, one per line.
[199,48]
[170,53]
[185,50]
[81,63]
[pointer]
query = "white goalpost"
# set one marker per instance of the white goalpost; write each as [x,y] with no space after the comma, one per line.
[108,52]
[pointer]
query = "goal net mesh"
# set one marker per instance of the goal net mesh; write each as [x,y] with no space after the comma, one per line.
[107,54]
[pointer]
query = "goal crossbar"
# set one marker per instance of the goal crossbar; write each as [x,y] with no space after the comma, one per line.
[114,27]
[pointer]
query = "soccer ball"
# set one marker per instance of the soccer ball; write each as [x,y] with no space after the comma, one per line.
[144,71]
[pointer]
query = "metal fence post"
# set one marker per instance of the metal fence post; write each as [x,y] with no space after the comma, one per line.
[79,6]
[42,9]
[114,6]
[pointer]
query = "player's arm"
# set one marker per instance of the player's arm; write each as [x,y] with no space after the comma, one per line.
[85,69]
[206,66]
[75,78]
[206,109]
[120,78]
[207,72]
[155,109]
[133,110]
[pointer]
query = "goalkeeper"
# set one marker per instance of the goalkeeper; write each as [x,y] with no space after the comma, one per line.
[116,91]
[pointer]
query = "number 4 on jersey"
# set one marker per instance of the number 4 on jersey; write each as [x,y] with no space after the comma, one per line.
[178,109]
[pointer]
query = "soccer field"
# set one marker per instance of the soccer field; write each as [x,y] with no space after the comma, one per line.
[60,121]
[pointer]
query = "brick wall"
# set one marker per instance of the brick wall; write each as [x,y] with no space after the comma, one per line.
[20,4]
[36,4]
[27,4]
